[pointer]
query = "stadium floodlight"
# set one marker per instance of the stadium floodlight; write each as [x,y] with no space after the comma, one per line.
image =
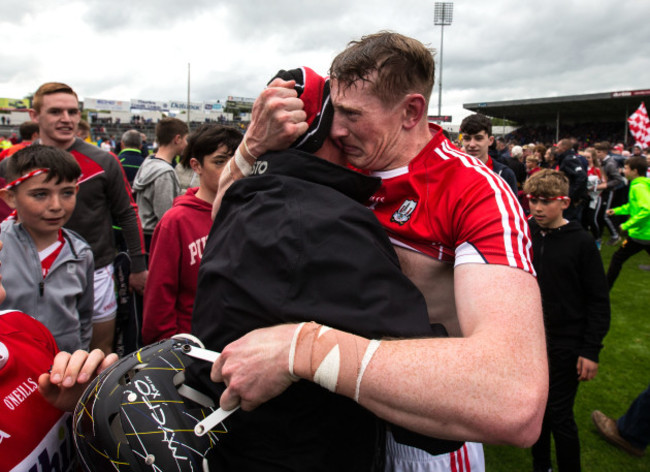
[443,15]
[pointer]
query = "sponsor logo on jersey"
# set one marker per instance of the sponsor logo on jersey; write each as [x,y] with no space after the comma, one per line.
[20,394]
[403,214]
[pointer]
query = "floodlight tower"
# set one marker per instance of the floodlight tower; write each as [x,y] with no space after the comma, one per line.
[443,14]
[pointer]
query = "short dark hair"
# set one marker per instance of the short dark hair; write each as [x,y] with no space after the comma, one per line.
[475,124]
[602,146]
[637,163]
[207,139]
[60,163]
[27,130]
[168,128]
[403,65]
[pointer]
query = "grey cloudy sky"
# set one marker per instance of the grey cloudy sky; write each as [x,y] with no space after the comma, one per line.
[494,50]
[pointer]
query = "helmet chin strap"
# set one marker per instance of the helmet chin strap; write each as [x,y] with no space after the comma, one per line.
[217,416]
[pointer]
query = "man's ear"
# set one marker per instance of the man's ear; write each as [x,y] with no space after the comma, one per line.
[9,197]
[195,165]
[491,139]
[415,108]
[566,203]
[33,115]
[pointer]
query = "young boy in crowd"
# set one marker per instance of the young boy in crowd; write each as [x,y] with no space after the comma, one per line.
[576,309]
[156,184]
[638,223]
[47,269]
[38,387]
[179,239]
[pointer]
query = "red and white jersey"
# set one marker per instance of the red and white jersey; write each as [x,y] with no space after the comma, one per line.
[451,207]
[34,436]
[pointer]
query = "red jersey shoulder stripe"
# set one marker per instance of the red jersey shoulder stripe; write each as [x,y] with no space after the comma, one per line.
[507,205]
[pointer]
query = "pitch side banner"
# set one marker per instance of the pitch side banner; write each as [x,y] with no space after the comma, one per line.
[110,105]
[149,105]
[213,107]
[196,106]
[14,103]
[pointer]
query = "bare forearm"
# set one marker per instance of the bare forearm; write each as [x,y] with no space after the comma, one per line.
[464,391]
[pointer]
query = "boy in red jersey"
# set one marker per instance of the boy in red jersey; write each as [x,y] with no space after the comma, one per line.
[35,431]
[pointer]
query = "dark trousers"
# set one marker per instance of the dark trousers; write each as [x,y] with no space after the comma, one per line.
[558,417]
[628,249]
[634,425]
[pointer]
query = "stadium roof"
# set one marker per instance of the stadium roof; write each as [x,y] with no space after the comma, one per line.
[572,109]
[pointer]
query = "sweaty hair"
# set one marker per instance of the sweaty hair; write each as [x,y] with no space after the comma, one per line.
[547,183]
[50,88]
[403,65]
[476,123]
[638,163]
[207,139]
[27,130]
[60,163]
[168,128]
[132,139]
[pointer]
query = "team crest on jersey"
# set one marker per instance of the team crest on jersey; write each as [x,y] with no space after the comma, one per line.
[404,213]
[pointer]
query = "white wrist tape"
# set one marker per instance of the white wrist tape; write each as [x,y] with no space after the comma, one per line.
[248,150]
[370,351]
[244,167]
[331,358]
[292,351]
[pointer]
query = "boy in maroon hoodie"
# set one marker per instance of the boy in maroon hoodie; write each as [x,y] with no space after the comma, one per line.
[179,238]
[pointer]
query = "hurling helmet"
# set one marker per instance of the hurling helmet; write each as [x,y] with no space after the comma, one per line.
[138,415]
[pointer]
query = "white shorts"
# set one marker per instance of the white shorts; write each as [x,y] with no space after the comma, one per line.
[105,307]
[402,458]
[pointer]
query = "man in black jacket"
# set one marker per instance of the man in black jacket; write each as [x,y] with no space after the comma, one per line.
[305,248]
[570,165]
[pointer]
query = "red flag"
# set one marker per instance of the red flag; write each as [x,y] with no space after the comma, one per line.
[640,126]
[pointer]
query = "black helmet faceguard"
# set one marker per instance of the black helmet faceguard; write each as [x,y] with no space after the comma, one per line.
[138,415]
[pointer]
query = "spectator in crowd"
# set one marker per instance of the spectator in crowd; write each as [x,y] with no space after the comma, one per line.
[28,133]
[103,196]
[570,165]
[540,152]
[631,432]
[477,139]
[576,312]
[144,148]
[549,158]
[637,225]
[517,166]
[367,111]
[155,184]
[532,165]
[613,187]
[43,193]
[83,131]
[591,217]
[502,150]
[130,156]
[179,239]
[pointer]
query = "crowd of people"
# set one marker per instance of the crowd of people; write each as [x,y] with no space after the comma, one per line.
[346,279]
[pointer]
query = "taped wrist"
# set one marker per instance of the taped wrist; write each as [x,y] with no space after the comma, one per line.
[331,358]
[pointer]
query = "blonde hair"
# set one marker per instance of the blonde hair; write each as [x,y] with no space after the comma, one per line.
[547,183]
